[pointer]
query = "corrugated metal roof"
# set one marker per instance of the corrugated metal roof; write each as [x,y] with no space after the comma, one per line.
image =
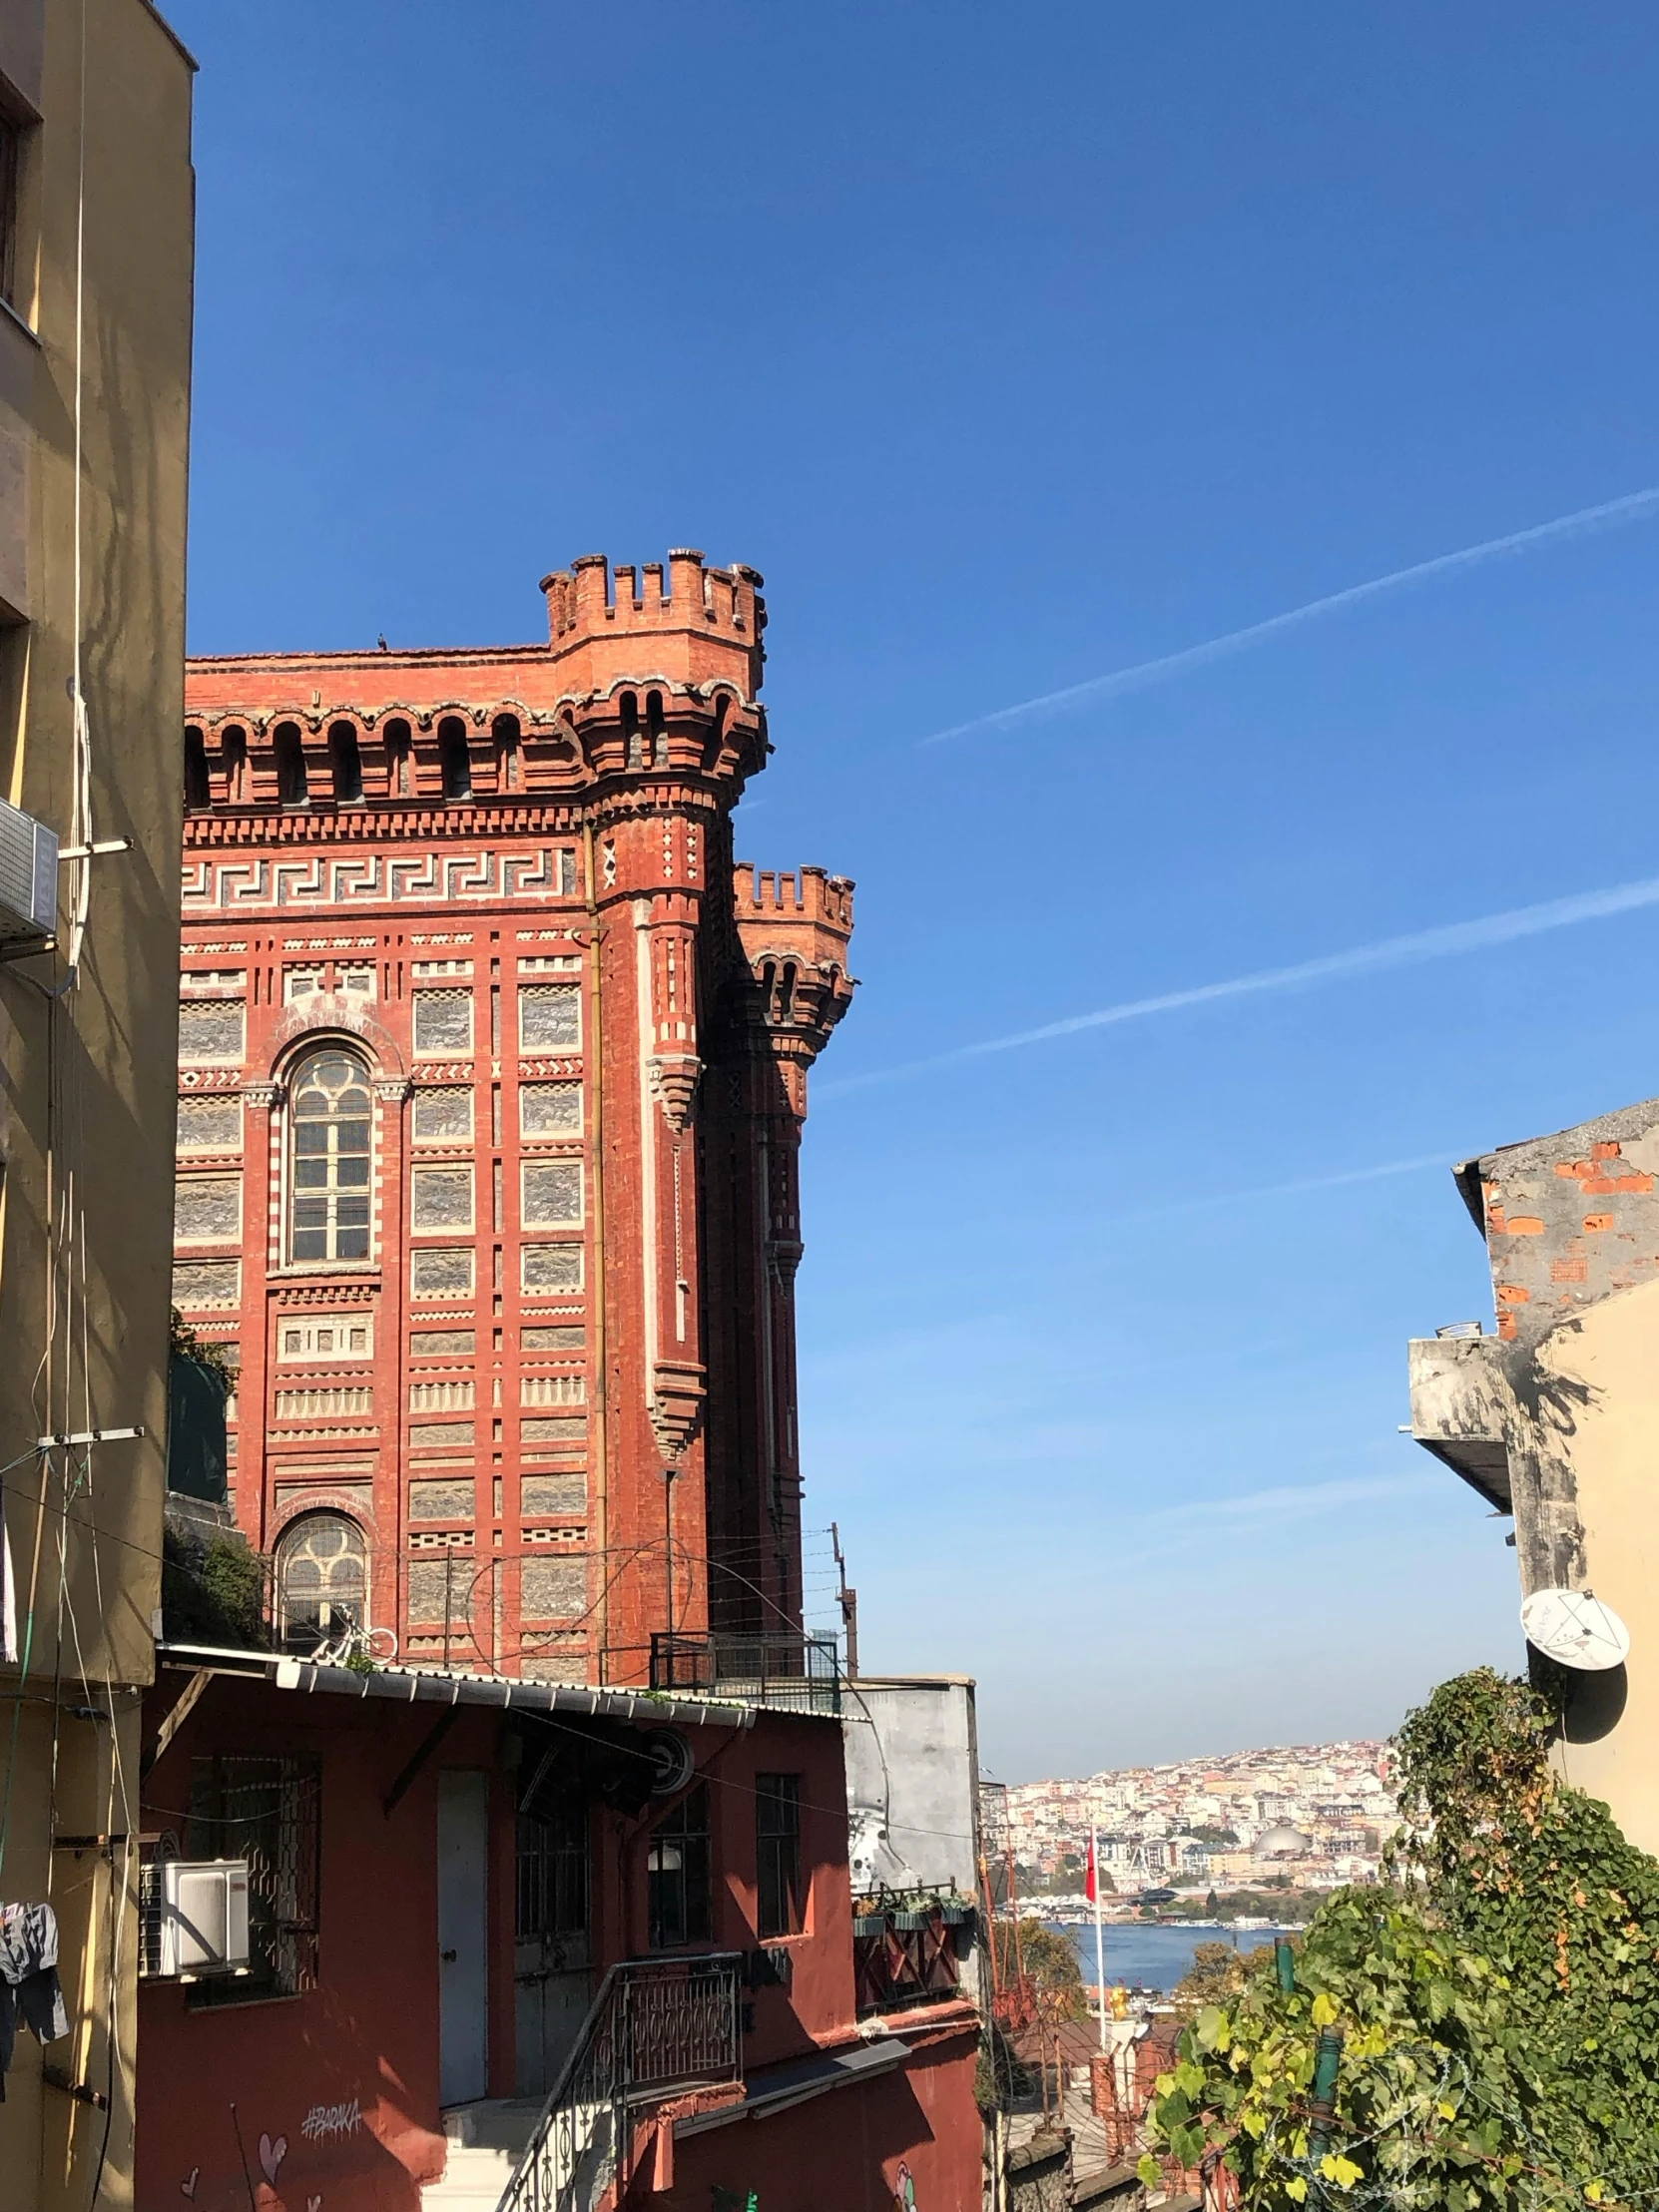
[428,1686]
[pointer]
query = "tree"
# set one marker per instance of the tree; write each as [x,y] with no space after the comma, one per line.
[1212,1903]
[1049,1960]
[1217,1975]
[1493,2007]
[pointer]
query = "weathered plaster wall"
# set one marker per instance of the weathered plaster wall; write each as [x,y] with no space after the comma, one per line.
[86,1080]
[1603,1366]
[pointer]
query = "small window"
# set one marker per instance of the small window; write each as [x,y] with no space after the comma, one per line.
[456,758]
[778,1854]
[292,786]
[330,1159]
[266,1811]
[677,1874]
[197,792]
[11,162]
[506,734]
[399,760]
[346,761]
[234,752]
[300,983]
[552,1896]
[322,1581]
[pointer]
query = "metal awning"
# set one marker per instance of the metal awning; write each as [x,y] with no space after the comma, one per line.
[423,1686]
[775,2088]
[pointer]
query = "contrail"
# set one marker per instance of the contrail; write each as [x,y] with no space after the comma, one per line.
[1636,506]
[1365,960]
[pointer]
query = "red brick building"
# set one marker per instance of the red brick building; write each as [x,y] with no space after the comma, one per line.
[493,1071]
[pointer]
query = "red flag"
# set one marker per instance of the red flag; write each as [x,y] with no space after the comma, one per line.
[1091,1886]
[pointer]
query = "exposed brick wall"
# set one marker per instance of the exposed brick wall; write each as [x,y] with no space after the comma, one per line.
[531,845]
[1571,1218]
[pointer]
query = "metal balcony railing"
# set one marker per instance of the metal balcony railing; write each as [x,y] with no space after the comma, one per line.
[654,2028]
[794,1672]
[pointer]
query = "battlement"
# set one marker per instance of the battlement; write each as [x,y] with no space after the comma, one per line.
[803,894]
[686,621]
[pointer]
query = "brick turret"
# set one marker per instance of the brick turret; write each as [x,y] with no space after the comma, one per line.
[500,880]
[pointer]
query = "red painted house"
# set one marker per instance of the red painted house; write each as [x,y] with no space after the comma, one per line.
[442,1869]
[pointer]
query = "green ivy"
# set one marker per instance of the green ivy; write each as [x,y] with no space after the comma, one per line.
[1497,1999]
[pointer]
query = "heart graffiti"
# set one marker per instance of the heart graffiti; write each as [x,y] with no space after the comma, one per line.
[187,2187]
[271,2155]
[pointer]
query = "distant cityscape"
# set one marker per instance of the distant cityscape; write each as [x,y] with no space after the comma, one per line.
[1303,1816]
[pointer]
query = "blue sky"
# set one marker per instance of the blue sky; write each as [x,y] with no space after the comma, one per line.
[1018,347]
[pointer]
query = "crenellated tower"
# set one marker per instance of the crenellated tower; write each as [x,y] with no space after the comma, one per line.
[554,1367]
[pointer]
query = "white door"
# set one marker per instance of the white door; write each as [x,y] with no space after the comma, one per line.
[463,1935]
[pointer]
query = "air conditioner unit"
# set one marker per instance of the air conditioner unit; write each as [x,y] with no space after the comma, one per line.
[194,1918]
[28,876]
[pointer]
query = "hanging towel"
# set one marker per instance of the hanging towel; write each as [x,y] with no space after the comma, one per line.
[8,1597]
[29,1986]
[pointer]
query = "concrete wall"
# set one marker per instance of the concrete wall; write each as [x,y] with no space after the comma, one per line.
[912,1770]
[87,1078]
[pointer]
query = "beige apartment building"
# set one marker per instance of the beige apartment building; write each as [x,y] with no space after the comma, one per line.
[1553,1419]
[96,271]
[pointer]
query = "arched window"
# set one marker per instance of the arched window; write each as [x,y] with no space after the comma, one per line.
[328,1202]
[345,758]
[197,792]
[233,748]
[399,760]
[457,758]
[321,1580]
[292,786]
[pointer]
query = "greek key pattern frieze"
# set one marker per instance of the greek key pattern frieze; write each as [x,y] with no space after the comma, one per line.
[377,878]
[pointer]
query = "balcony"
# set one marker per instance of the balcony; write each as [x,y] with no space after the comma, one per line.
[788,1672]
[908,1950]
[1459,1400]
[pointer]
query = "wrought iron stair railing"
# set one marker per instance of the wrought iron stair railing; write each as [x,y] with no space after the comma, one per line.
[656,2026]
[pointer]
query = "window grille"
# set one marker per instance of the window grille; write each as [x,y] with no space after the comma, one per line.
[677,1874]
[553,1868]
[778,1854]
[331,1122]
[265,1810]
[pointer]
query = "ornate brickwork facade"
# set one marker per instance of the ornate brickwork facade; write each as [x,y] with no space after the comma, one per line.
[492,1080]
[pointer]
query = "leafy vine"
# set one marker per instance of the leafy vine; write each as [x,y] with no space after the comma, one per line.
[1496,1999]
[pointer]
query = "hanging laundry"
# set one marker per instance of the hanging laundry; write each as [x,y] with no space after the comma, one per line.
[8,1599]
[29,1986]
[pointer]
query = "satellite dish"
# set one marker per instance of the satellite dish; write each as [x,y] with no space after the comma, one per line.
[1575,1629]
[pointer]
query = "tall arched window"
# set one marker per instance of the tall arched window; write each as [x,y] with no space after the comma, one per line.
[321,1580]
[328,1200]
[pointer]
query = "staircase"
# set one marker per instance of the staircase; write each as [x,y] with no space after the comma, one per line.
[656,2026]
[487,2142]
